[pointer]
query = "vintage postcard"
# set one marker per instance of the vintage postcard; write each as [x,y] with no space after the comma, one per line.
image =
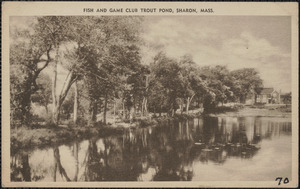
[150,94]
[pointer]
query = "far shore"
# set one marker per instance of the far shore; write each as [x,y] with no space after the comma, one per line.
[256,111]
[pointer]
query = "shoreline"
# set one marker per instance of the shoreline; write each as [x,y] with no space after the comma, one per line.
[23,138]
[254,112]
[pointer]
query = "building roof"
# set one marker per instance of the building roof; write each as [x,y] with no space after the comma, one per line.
[286,94]
[266,91]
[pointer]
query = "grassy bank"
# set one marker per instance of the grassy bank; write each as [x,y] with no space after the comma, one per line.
[42,136]
[29,138]
[265,111]
[26,138]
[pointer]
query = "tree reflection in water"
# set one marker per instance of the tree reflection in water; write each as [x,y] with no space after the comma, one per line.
[174,144]
[75,154]
[162,153]
[58,166]
[20,169]
[110,163]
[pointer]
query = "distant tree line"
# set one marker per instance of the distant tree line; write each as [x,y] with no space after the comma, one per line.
[103,62]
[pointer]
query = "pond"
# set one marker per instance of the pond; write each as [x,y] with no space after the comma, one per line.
[201,149]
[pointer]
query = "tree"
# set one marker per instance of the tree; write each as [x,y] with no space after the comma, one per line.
[158,97]
[94,43]
[246,81]
[29,55]
[138,82]
[194,85]
[109,55]
[58,30]
[166,72]
[218,87]
[76,103]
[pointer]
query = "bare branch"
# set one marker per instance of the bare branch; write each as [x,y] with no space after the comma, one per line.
[46,63]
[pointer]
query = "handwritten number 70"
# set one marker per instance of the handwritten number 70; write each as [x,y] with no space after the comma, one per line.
[285,181]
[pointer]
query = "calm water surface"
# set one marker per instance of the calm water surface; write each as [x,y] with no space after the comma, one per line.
[205,149]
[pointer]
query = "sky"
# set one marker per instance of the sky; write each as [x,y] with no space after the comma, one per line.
[260,42]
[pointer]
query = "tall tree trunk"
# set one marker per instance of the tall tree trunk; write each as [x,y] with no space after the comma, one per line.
[131,114]
[173,107]
[93,97]
[57,101]
[55,114]
[124,111]
[92,118]
[134,107]
[160,110]
[114,111]
[25,108]
[181,108]
[75,112]
[104,109]
[189,100]
[242,99]
[46,108]
[146,107]
[143,102]
[146,100]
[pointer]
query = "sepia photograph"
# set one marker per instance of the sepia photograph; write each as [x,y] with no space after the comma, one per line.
[150,95]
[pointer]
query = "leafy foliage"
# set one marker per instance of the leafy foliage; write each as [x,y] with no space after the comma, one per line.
[102,54]
[246,81]
[43,95]
[29,55]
